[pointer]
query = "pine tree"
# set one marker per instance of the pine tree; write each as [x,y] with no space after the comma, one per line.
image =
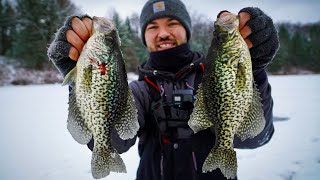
[313,46]
[139,48]
[131,49]
[36,22]
[7,26]
[2,29]
[201,34]
[281,60]
[127,41]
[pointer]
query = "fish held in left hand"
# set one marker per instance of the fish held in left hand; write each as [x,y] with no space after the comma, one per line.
[227,97]
[100,99]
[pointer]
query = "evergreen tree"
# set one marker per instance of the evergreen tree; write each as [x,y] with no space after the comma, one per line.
[140,49]
[127,42]
[313,47]
[36,22]
[201,34]
[2,29]
[130,53]
[298,48]
[123,30]
[7,26]
[281,60]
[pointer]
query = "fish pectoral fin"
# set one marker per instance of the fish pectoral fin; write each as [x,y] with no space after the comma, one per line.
[105,160]
[253,122]
[199,119]
[87,77]
[76,123]
[224,159]
[127,124]
[70,77]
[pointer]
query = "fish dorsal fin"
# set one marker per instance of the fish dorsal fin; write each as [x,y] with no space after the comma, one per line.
[70,77]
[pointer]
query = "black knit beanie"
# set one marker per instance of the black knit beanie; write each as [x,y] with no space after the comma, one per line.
[155,9]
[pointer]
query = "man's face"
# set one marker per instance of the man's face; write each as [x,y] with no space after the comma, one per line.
[164,33]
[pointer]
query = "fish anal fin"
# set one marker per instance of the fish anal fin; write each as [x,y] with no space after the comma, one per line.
[127,124]
[199,119]
[76,123]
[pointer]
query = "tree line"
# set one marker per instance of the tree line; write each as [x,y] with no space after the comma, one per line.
[28,26]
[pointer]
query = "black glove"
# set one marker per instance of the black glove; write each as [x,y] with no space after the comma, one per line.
[264,37]
[58,51]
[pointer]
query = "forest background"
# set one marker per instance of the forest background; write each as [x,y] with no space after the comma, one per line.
[27,27]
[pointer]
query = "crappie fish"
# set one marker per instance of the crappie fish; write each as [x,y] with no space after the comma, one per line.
[100,99]
[227,98]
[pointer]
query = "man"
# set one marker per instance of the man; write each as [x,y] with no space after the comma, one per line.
[168,148]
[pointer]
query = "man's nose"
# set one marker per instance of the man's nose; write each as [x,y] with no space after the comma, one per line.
[164,33]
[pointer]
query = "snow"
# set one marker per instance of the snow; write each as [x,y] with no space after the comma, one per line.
[294,151]
[13,73]
[35,143]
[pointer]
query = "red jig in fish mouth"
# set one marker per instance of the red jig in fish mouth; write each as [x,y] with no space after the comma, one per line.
[103,68]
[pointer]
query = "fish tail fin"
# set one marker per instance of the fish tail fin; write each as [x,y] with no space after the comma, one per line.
[224,159]
[254,121]
[199,119]
[127,124]
[105,160]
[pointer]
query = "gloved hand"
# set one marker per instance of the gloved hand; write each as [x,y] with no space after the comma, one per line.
[69,40]
[260,34]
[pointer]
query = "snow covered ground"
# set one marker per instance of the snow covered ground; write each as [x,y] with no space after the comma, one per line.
[35,144]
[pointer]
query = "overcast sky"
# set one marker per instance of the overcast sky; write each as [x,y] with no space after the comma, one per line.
[302,11]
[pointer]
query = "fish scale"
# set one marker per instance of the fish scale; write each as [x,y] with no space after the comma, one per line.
[101,99]
[227,97]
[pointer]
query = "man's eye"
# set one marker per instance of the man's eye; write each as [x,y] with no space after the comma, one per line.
[174,24]
[151,27]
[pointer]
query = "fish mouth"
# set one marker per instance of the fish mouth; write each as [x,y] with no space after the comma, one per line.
[103,25]
[227,23]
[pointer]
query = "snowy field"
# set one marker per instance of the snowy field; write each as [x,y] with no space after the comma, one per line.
[35,143]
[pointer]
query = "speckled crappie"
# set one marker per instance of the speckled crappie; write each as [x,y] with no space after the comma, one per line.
[227,98]
[100,99]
